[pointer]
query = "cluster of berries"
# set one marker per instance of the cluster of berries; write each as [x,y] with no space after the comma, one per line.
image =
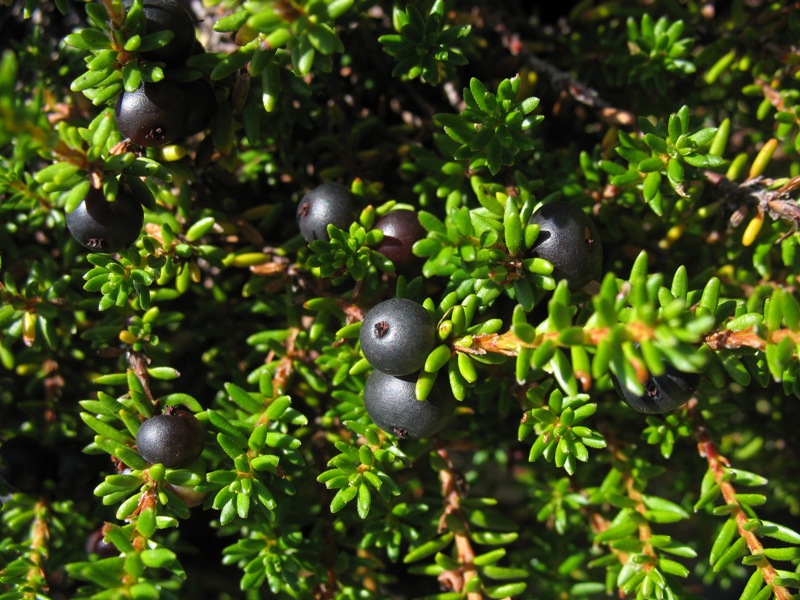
[158,113]
[396,337]
[333,204]
[155,114]
[568,239]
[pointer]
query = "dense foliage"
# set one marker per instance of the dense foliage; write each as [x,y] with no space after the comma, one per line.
[674,127]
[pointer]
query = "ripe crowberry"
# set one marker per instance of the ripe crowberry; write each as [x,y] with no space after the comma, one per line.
[569,240]
[662,394]
[103,226]
[327,204]
[152,115]
[187,493]
[173,439]
[401,230]
[392,404]
[169,15]
[97,544]
[397,335]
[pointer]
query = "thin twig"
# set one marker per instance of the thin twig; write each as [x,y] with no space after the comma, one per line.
[717,464]
[452,508]
[138,362]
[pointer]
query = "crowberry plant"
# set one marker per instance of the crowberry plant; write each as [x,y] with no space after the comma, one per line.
[254,182]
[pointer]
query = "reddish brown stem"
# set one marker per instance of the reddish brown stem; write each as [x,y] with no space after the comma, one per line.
[747,338]
[509,344]
[718,464]
[138,362]
[456,580]
[39,542]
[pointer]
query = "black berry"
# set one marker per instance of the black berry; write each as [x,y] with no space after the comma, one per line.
[152,115]
[392,405]
[103,226]
[662,394]
[175,440]
[397,335]
[569,240]
[401,230]
[327,204]
[169,15]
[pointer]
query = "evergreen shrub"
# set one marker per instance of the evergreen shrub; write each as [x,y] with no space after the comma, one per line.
[673,125]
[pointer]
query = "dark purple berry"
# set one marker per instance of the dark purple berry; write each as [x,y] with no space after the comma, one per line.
[152,115]
[663,393]
[103,226]
[187,493]
[397,335]
[173,439]
[327,204]
[401,230]
[96,544]
[169,15]
[569,240]
[392,404]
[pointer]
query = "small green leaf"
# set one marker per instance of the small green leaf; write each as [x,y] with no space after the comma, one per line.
[507,590]
[364,500]
[672,567]
[428,548]
[163,373]
[467,367]
[105,429]
[512,228]
[438,358]
[735,551]
[722,541]
[342,497]
[650,165]
[675,171]
[618,531]
[778,532]
[245,401]
[146,522]
[157,558]
[324,38]
[200,228]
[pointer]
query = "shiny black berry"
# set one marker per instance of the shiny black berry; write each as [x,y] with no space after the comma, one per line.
[392,404]
[152,115]
[169,15]
[327,204]
[175,440]
[662,394]
[103,226]
[568,239]
[201,104]
[397,335]
[401,230]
